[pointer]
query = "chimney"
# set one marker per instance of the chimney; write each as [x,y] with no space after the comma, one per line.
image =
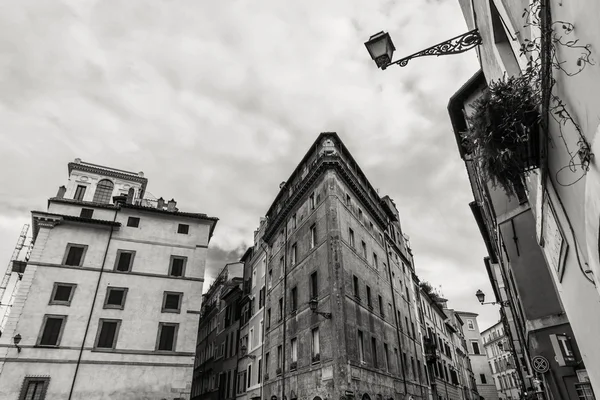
[61,192]
[161,203]
[281,185]
[130,195]
[171,205]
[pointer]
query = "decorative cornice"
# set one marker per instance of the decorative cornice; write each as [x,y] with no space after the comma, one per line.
[318,167]
[96,169]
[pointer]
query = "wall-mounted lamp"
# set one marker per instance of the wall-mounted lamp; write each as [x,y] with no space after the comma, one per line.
[16,341]
[481,297]
[245,354]
[313,304]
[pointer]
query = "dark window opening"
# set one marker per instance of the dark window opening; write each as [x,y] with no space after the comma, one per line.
[314,286]
[177,266]
[74,255]
[183,229]
[166,337]
[86,213]
[104,191]
[79,193]
[52,330]
[62,294]
[107,334]
[124,260]
[133,222]
[172,302]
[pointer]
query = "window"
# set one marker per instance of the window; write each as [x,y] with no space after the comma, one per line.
[380,305]
[104,191]
[261,297]
[294,221]
[361,348]
[387,356]
[294,299]
[475,347]
[249,373]
[133,222]
[267,356]
[313,236]
[314,286]
[364,248]
[360,215]
[86,213]
[124,260]
[268,318]
[108,330]
[177,266]
[483,380]
[62,294]
[254,278]
[294,347]
[294,254]
[374,350]
[351,236]
[356,288]
[316,345]
[52,328]
[115,297]
[74,254]
[375,261]
[470,325]
[172,302]
[348,199]
[259,369]
[279,356]
[79,193]
[34,388]
[369,297]
[167,336]
[184,229]
[270,282]
[311,201]
[280,309]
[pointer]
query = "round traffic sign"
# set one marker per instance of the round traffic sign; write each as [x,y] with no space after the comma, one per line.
[540,364]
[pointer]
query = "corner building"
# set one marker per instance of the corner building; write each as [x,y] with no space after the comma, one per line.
[332,239]
[108,303]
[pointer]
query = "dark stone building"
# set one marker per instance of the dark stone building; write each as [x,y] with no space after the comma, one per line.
[336,247]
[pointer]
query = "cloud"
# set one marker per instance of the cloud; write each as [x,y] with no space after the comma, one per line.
[217,103]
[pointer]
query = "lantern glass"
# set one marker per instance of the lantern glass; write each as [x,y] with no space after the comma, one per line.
[381,49]
[313,304]
[480,296]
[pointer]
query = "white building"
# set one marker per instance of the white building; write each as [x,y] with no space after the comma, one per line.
[501,362]
[108,304]
[479,364]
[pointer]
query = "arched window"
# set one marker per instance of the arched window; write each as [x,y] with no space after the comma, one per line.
[104,191]
[366,397]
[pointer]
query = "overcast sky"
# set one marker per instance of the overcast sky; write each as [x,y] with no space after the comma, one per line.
[217,102]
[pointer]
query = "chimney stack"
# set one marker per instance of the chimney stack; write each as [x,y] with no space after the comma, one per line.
[161,203]
[61,192]
[171,205]
[281,185]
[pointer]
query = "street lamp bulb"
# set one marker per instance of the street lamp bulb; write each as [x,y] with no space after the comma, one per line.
[313,303]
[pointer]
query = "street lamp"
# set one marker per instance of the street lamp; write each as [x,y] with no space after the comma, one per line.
[313,304]
[16,341]
[381,48]
[481,297]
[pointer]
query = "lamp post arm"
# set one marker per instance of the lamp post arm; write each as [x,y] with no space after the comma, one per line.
[456,45]
[504,303]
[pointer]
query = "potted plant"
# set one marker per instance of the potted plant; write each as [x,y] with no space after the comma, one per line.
[503,132]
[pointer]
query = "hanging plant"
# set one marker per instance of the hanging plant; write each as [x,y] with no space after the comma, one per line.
[503,131]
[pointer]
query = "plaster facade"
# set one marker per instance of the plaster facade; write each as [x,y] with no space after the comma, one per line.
[75,364]
[564,201]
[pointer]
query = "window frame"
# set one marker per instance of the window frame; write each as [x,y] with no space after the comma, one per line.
[84,189]
[314,285]
[351,239]
[315,354]
[360,340]
[173,257]
[118,258]
[86,210]
[103,195]
[179,229]
[294,254]
[131,219]
[29,379]
[67,303]
[294,299]
[160,326]
[71,245]
[38,342]
[313,236]
[101,322]
[114,306]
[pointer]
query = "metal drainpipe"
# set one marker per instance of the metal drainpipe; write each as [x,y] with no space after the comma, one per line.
[414,338]
[87,327]
[283,311]
[387,255]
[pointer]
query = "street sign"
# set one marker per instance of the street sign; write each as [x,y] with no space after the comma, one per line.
[540,364]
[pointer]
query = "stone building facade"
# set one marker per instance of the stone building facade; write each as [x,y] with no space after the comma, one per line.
[501,362]
[333,242]
[110,294]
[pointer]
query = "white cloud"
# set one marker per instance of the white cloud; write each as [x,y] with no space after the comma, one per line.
[217,103]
